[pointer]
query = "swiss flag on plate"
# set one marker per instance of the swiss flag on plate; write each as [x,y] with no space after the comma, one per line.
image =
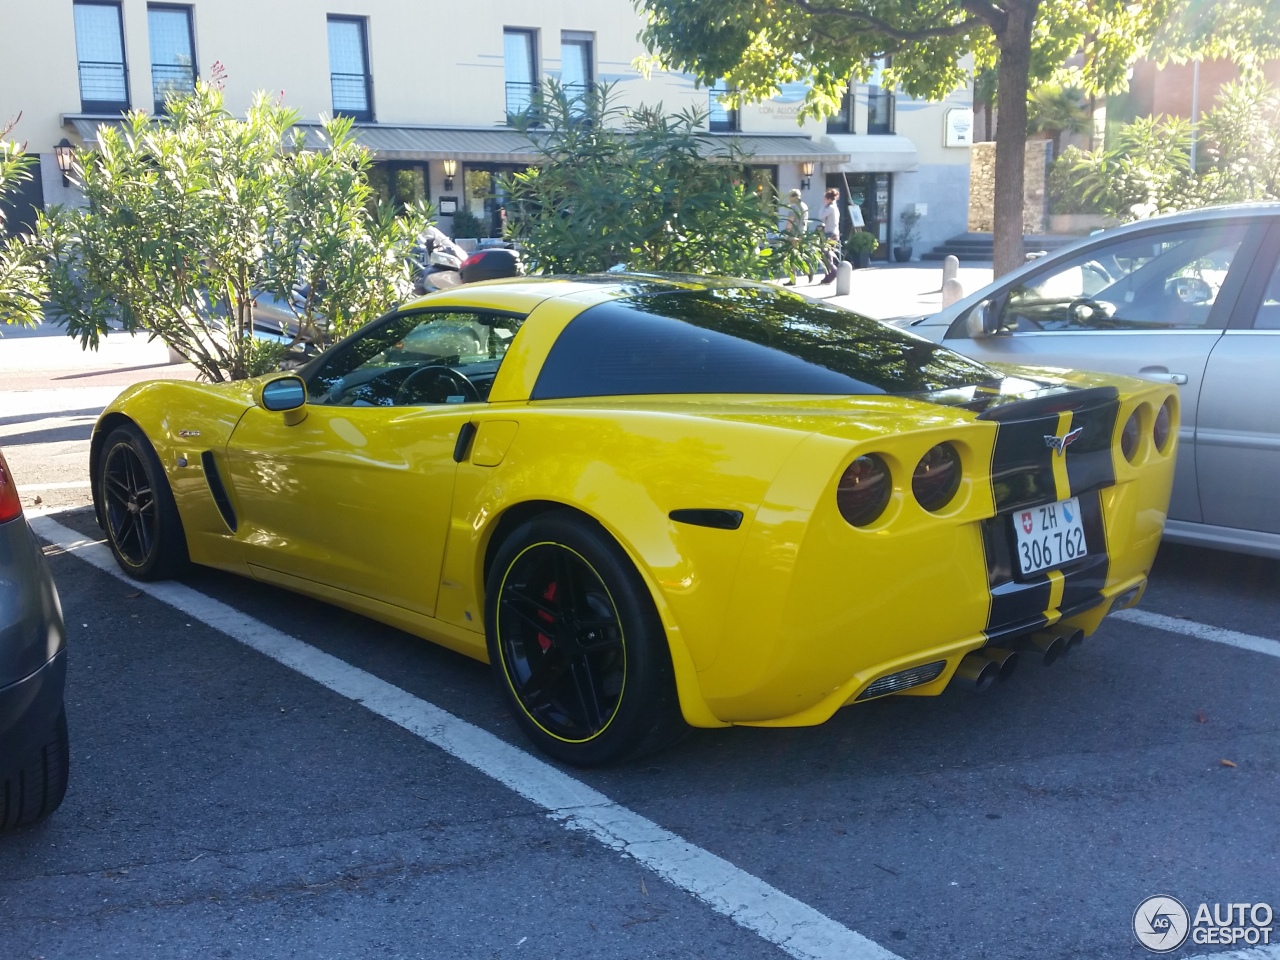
[1026,521]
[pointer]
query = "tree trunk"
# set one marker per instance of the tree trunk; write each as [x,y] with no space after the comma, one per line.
[1011,133]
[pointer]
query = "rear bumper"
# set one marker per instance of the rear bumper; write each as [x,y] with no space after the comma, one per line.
[29,710]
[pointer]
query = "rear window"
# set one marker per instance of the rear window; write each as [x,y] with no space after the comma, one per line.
[742,340]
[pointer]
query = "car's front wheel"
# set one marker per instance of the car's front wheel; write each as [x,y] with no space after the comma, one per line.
[143,526]
[576,644]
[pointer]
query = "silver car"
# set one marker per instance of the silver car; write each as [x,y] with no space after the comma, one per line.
[1191,299]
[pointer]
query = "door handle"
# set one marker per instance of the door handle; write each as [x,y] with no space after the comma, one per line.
[1163,375]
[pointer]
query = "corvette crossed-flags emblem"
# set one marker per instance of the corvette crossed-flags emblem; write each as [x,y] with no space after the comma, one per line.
[1059,444]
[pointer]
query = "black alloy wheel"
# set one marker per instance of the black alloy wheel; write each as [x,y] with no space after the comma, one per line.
[562,644]
[141,518]
[130,501]
[576,643]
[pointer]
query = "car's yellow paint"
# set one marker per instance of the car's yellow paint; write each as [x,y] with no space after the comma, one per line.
[781,621]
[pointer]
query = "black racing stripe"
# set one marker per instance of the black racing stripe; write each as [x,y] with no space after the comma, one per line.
[1089,463]
[1017,605]
[1021,464]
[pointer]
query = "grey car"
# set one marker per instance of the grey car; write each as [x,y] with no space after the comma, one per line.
[1191,299]
[33,665]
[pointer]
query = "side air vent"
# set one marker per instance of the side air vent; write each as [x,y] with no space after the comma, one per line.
[719,519]
[214,479]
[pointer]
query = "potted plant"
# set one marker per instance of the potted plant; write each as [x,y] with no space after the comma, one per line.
[860,246]
[907,221]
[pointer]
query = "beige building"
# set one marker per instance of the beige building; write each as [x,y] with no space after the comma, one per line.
[432,87]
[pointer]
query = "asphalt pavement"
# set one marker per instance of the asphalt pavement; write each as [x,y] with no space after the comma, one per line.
[249,781]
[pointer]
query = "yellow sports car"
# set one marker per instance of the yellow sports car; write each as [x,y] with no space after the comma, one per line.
[657,501]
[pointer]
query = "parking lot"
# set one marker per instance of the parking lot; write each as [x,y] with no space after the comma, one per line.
[256,774]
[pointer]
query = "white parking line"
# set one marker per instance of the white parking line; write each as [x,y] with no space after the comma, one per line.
[1201,631]
[62,485]
[1248,953]
[798,929]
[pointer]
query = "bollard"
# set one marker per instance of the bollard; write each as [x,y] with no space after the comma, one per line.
[952,290]
[844,278]
[950,267]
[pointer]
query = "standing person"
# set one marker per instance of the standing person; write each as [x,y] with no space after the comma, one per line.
[830,217]
[795,225]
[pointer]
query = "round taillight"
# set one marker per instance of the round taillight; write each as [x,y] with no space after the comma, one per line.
[864,490]
[937,477]
[1129,437]
[1160,430]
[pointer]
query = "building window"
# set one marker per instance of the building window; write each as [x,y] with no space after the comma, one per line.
[400,185]
[842,122]
[519,52]
[349,77]
[104,82]
[173,61]
[721,118]
[575,64]
[879,103]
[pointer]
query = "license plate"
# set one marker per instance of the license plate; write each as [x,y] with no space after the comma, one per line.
[1049,536]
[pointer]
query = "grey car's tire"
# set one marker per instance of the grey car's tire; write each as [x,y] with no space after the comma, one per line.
[576,645]
[36,788]
[142,522]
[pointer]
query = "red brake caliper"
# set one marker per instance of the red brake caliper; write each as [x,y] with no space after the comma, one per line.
[543,640]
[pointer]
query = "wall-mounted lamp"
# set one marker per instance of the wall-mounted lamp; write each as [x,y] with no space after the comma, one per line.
[65,154]
[450,171]
[806,168]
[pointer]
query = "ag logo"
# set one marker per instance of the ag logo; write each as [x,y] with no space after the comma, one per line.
[1161,924]
[1026,521]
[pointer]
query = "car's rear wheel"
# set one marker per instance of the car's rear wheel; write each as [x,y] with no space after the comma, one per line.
[576,644]
[143,526]
[36,788]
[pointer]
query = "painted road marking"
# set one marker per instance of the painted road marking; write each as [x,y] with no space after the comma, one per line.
[1248,953]
[62,485]
[797,928]
[1201,631]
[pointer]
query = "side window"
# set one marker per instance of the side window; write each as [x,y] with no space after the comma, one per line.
[1268,317]
[1161,281]
[441,356]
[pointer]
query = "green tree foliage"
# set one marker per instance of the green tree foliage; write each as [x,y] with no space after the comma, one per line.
[757,45]
[1057,110]
[1147,170]
[188,220]
[22,279]
[645,189]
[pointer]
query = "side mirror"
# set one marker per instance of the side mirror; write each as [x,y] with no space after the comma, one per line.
[287,395]
[983,321]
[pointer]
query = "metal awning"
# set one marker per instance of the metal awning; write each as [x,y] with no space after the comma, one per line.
[875,153]
[479,145]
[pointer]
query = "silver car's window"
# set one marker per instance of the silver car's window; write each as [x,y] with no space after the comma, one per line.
[1268,317]
[1159,281]
[417,359]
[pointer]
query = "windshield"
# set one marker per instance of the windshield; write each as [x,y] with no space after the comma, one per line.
[743,340]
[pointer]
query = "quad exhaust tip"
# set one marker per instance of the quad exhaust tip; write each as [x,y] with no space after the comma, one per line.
[1055,643]
[981,668]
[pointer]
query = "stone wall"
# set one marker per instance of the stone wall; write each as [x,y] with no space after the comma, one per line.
[982,186]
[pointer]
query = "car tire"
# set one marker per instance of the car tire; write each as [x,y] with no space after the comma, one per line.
[142,522]
[576,644]
[36,788]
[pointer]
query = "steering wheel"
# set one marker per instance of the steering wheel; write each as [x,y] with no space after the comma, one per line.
[459,382]
[1097,310]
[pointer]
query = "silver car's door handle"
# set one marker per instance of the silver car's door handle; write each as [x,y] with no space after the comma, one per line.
[1163,375]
